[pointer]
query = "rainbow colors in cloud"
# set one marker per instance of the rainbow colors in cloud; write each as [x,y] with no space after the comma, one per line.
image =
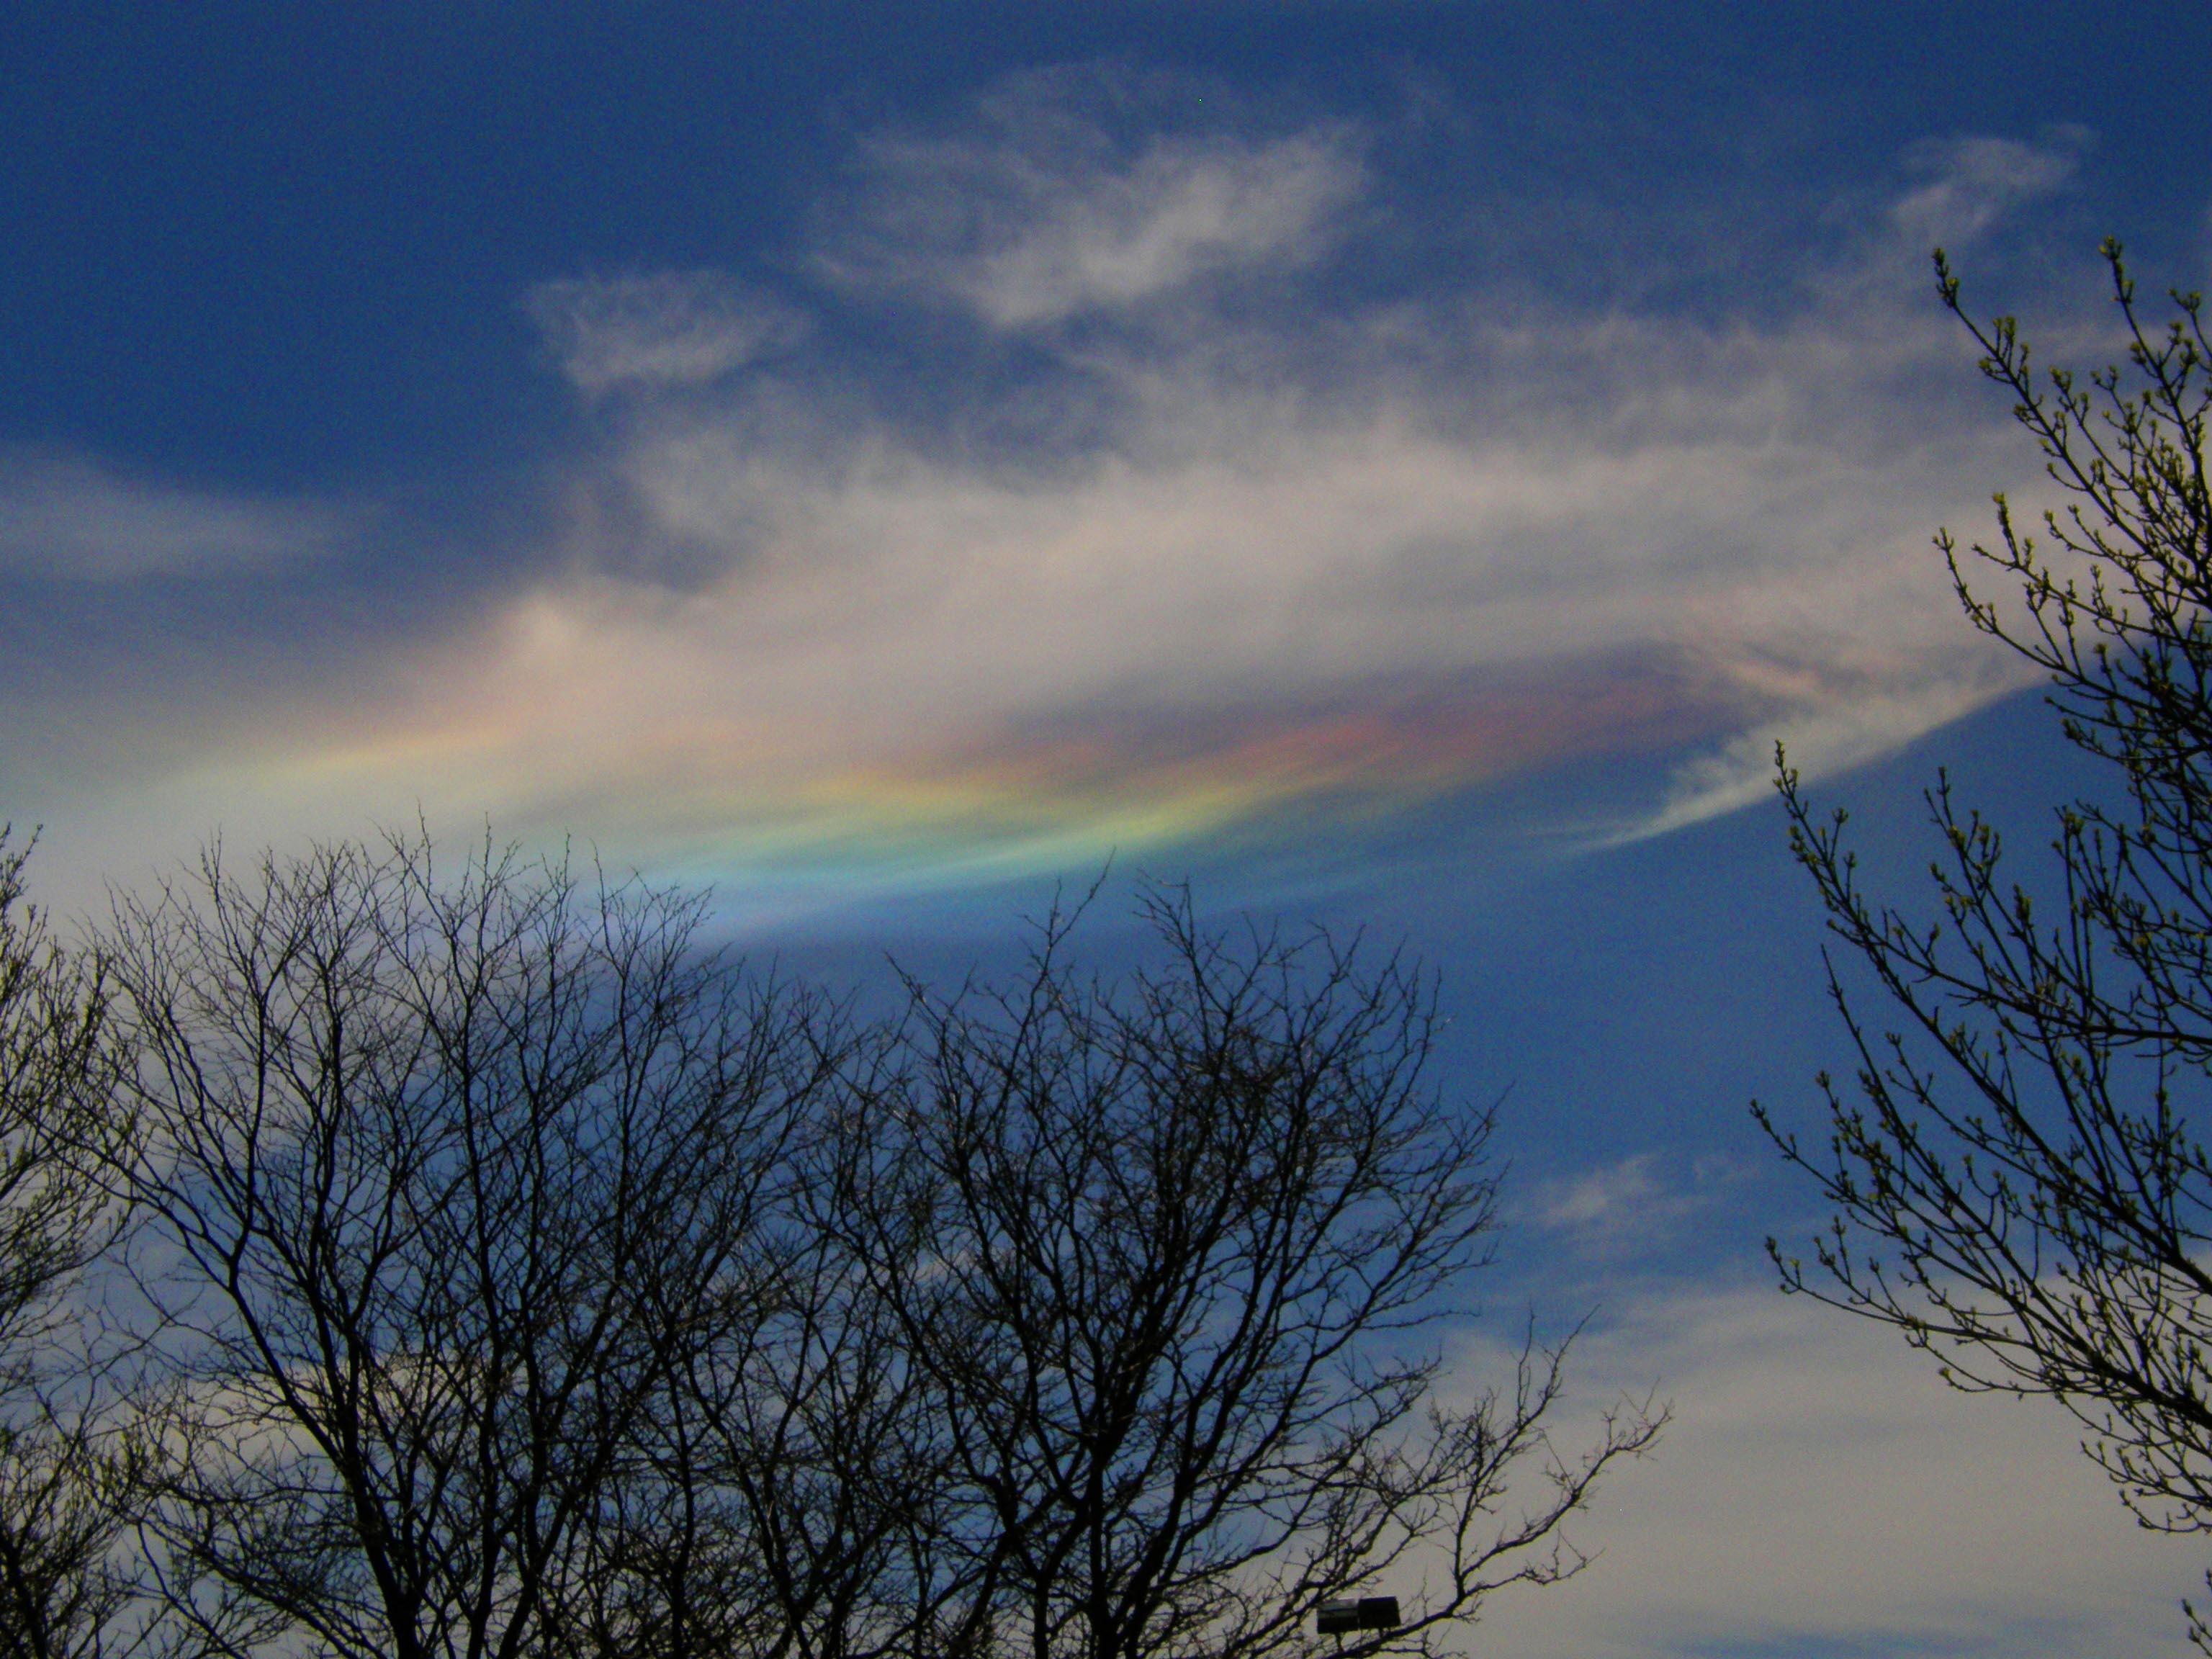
[1221,565]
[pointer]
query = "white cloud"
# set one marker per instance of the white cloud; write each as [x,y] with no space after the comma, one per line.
[1044,214]
[1749,509]
[68,519]
[1285,511]
[1855,726]
[1623,1209]
[1738,516]
[887,616]
[1973,181]
[661,328]
[1820,1490]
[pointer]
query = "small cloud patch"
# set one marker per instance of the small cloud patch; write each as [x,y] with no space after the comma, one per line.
[666,329]
[1045,211]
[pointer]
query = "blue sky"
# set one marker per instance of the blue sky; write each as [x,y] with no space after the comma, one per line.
[1401,465]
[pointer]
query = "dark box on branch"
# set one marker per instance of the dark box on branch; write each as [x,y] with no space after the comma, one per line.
[1368,1612]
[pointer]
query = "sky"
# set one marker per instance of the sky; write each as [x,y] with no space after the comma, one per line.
[1399,466]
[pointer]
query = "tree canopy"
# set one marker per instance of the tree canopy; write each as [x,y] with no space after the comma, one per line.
[504,1269]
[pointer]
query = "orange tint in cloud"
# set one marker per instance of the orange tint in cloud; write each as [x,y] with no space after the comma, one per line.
[1080,788]
[1238,570]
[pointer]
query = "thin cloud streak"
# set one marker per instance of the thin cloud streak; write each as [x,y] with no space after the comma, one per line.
[67,519]
[662,330]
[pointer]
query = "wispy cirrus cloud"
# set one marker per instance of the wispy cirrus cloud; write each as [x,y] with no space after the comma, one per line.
[1968,183]
[1041,210]
[1384,591]
[1727,519]
[1624,1210]
[1219,551]
[67,519]
[657,330]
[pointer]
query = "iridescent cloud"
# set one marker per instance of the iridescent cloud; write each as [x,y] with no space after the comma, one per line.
[1208,558]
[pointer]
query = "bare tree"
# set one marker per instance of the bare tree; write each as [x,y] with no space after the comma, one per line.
[521,1282]
[1163,1255]
[2019,1177]
[771,1507]
[448,1173]
[65,1585]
